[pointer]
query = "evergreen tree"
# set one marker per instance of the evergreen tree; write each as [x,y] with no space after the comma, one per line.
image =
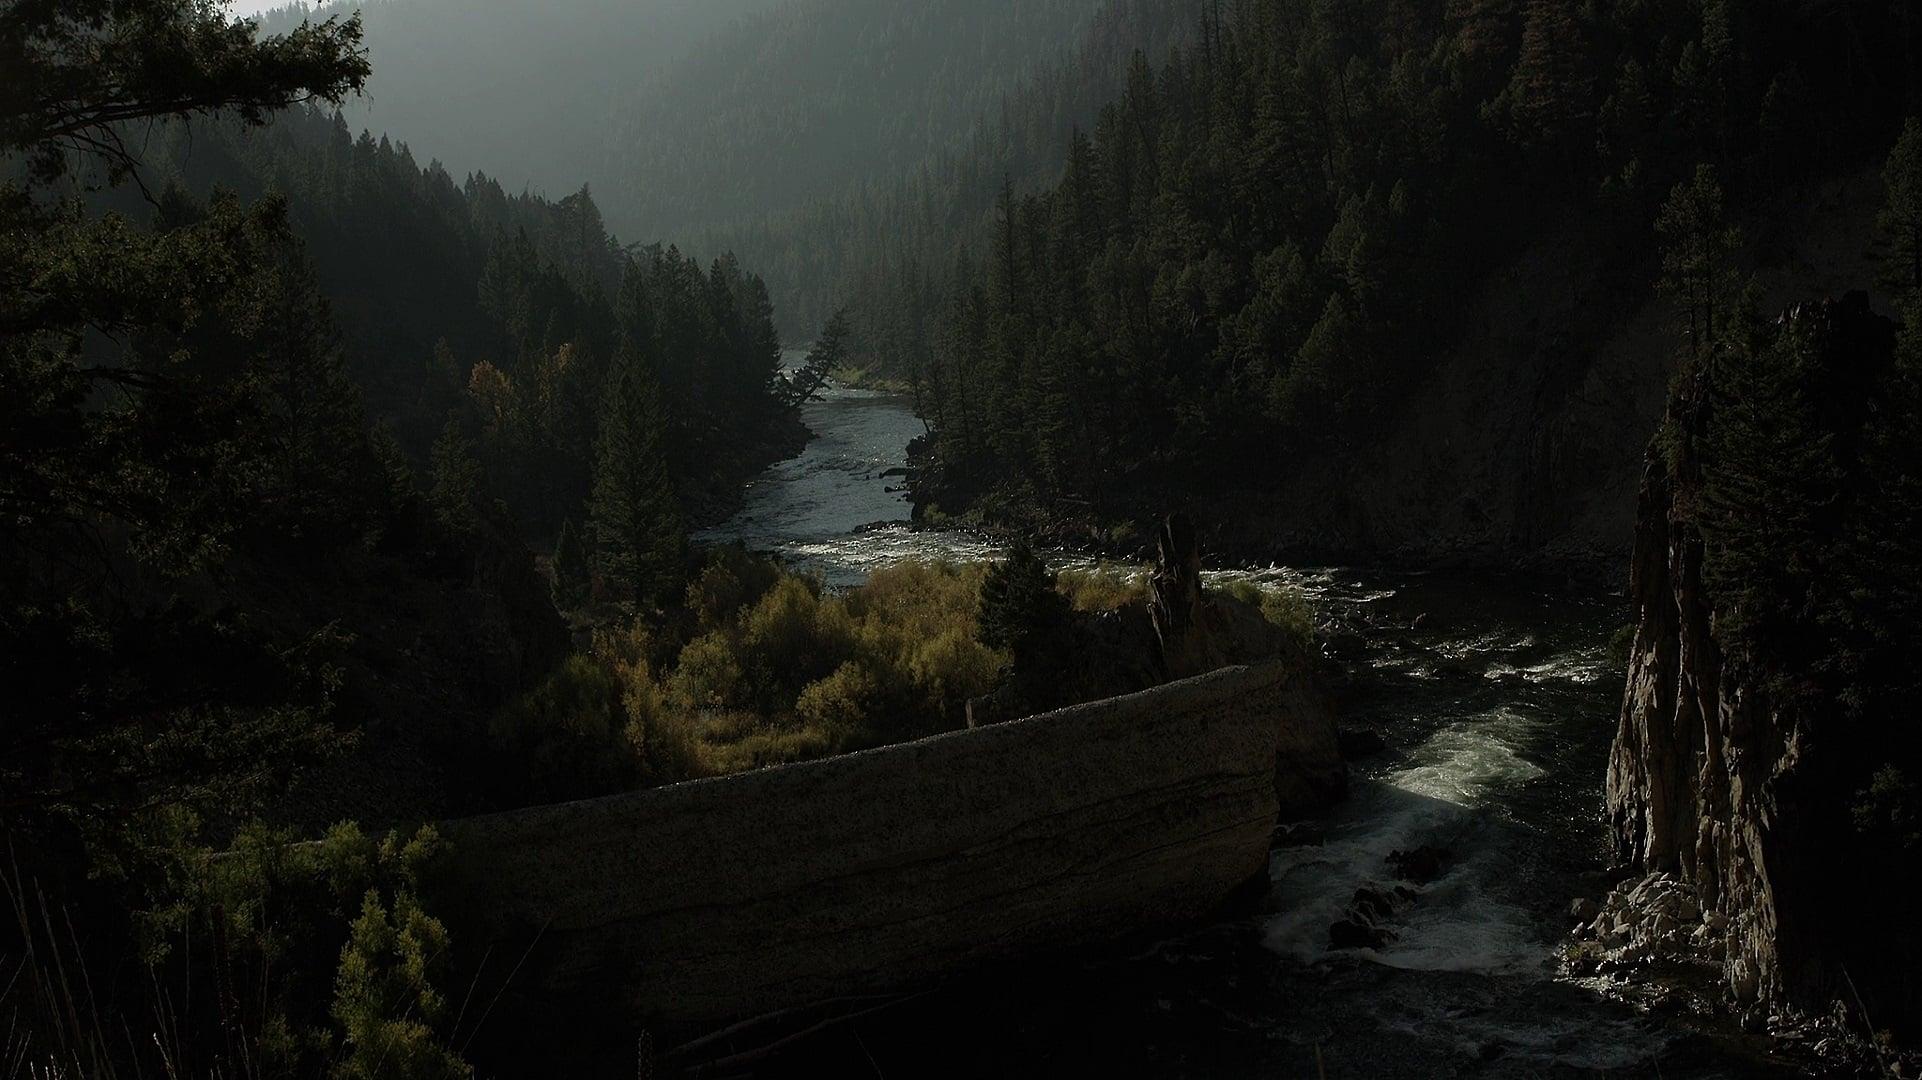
[828,355]
[455,492]
[1698,249]
[1024,613]
[636,520]
[572,579]
[1900,221]
[157,415]
[1549,95]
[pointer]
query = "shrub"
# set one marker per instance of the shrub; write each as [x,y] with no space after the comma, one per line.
[734,578]
[385,1000]
[708,674]
[328,961]
[952,667]
[793,637]
[563,740]
[841,705]
[659,735]
[661,738]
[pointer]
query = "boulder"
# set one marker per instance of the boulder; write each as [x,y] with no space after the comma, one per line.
[682,908]
[1419,866]
[1353,933]
[1358,743]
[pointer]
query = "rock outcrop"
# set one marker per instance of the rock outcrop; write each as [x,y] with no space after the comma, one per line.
[682,908]
[1734,790]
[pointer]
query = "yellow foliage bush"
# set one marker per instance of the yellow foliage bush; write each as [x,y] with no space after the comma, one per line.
[708,674]
[953,666]
[792,637]
[841,704]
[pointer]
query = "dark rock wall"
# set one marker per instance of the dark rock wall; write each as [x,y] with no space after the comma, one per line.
[684,907]
[1738,775]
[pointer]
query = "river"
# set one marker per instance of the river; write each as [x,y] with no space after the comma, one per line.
[1497,700]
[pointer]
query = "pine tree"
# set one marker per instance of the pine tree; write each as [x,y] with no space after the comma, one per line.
[572,583]
[828,355]
[455,494]
[1698,247]
[1900,221]
[1551,91]
[1023,612]
[636,520]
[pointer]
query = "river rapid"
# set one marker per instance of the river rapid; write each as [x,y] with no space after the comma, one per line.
[1496,698]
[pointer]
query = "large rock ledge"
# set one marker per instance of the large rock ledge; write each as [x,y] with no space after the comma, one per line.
[682,908]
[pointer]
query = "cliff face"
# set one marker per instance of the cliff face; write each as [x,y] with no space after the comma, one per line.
[1702,762]
[1734,769]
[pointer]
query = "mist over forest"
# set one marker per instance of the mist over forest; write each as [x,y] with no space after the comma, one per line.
[960,537]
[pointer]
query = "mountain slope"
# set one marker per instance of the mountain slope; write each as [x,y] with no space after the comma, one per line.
[1350,280]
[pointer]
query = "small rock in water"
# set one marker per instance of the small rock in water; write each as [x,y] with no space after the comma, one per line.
[1420,866]
[1356,934]
[1359,743]
[1584,910]
[1373,903]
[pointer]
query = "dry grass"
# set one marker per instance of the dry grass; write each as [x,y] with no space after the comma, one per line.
[1104,587]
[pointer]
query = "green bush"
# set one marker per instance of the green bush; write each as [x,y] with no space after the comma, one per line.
[734,578]
[564,739]
[916,630]
[328,962]
[951,667]
[793,637]
[385,1000]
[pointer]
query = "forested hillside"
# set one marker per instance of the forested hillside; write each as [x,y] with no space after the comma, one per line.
[287,406]
[1257,270]
[821,140]
[508,312]
[281,413]
[683,116]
